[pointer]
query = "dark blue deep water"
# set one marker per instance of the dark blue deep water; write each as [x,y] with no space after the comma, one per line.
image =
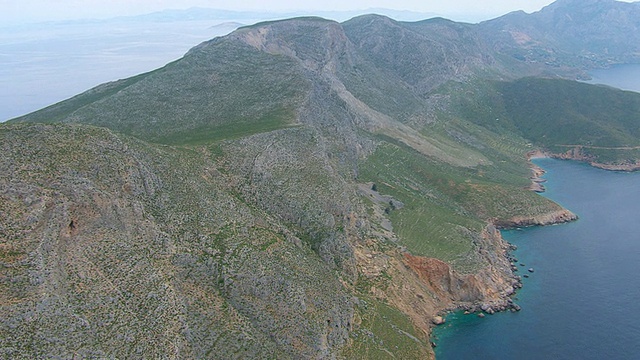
[583,300]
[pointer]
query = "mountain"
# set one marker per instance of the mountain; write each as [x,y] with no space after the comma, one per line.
[296,189]
[199,13]
[586,33]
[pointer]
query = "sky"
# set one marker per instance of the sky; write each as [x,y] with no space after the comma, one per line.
[26,11]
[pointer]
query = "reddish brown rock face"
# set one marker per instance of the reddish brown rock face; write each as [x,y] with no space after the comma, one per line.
[487,289]
[443,281]
[435,273]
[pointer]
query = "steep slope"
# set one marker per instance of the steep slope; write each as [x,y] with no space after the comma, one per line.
[566,119]
[219,89]
[115,248]
[423,54]
[254,219]
[259,78]
[142,249]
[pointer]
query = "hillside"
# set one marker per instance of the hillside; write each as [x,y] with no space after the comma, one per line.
[296,189]
[565,119]
[581,33]
[113,247]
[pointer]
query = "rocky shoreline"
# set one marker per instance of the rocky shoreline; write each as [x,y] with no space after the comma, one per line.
[487,291]
[504,301]
[575,154]
[628,167]
[552,218]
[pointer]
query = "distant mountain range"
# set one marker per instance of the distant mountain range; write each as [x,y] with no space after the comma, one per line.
[301,188]
[587,33]
[197,13]
[212,14]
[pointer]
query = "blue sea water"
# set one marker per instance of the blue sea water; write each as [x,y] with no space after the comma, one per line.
[623,76]
[582,300]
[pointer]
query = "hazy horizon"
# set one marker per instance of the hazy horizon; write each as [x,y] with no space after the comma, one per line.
[15,12]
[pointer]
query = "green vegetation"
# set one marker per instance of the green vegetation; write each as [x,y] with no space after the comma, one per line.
[384,333]
[206,135]
[214,206]
[219,90]
[156,229]
[60,111]
[445,206]
[555,114]
[424,224]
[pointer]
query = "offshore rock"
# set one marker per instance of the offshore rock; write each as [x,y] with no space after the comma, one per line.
[438,320]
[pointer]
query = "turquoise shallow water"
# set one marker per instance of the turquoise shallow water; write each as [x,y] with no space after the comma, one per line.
[582,300]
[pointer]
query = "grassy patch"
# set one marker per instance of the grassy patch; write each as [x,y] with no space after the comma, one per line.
[445,208]
[385,333]
[427,221]
[205,135]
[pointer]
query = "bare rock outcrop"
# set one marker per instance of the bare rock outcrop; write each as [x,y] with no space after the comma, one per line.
[551,218]
[438,288]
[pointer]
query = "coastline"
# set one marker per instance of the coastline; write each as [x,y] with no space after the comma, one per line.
[575,154]
[487,291]
[501,259]
[572,273]
[492,288]
[558,216]
[629,167]
[537,172]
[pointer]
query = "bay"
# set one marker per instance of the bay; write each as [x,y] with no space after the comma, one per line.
[580,303]
[623,76]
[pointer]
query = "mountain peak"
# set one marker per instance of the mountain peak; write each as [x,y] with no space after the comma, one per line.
[581,5]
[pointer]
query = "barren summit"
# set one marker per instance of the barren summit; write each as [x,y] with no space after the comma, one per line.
[297,189]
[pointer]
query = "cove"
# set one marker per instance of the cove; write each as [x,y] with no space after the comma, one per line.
[622,76]
[581,301]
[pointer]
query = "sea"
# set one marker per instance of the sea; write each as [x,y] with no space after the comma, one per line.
[623,76]
[581,301]
[42,64]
